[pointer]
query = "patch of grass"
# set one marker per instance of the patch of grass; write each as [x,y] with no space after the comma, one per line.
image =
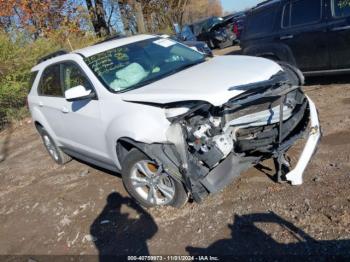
[18,55]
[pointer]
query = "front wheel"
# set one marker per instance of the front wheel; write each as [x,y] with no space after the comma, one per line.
[148,184]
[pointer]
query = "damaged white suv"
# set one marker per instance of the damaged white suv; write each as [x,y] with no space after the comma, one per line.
[174,123]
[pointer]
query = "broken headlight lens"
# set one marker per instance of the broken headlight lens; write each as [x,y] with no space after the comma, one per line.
[184,109]
[176,111]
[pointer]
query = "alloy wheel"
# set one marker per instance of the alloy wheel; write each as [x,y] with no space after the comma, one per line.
[151,183]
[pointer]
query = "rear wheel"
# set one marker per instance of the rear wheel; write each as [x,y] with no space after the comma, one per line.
[149,184]
[54,151]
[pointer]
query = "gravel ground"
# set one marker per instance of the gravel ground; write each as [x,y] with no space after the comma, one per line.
[80,209]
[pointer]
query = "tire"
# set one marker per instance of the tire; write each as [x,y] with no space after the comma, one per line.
[150,187]
[54,151]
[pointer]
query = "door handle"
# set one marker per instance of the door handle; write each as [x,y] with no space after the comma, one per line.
[340,28]
[64,110]
[41,104]
[286,37]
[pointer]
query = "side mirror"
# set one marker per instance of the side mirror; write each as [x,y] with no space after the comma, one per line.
[78,93]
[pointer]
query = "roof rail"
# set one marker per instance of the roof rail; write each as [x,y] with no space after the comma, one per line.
[265,3]
[110,38]
[52,55]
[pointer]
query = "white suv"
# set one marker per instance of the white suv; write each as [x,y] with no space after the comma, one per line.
[174,123]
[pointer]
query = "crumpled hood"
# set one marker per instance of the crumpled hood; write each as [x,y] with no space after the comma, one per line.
[212,81]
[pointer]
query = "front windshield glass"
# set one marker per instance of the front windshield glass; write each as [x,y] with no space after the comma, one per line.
[141,63]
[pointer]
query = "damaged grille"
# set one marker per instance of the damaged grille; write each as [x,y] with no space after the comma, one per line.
[265,138]
[250,124]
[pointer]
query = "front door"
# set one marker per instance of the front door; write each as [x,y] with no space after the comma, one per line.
[82,119]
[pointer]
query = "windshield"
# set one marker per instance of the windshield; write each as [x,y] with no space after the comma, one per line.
[141,63]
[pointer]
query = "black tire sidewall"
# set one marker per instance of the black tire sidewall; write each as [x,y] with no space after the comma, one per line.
[134,156]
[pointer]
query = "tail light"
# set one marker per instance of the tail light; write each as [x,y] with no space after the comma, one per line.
[235,29]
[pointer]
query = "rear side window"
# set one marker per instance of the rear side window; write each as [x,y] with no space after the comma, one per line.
[261,22]
[50,84]
[73,76]
[302,12]
[340,9]
[32,79]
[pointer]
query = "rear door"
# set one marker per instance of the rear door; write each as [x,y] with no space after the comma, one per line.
[50,100]
[339,35]
[304,30]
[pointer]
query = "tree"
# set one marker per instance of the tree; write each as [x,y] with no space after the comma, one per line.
[199,9]
[38,18]
[343,3]
[98,17]
[132,12]
[163,14]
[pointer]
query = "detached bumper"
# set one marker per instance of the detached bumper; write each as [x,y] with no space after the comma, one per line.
[296,175]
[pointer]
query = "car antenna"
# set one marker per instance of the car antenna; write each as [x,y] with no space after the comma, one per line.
[70,45]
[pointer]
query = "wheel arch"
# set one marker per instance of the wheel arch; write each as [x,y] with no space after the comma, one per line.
[39,120]
[123,146]
[160,153]
[276,52]
[38,125]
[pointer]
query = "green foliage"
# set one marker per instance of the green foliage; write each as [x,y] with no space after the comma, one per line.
[344,3]
[17,56]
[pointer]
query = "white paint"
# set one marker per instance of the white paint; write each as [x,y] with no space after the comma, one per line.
[164,42]
[76,92]
[296,175]
[209,81]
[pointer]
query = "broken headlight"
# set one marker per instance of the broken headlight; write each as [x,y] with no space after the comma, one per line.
[181,110]
[173,112]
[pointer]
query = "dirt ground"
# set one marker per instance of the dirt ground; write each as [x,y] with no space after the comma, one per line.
[79,209]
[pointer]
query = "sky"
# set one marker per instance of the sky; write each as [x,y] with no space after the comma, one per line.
[238,5]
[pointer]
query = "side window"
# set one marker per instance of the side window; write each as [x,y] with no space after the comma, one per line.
[286,16]
[50,84]
[73,76]
[340,9]
[261,22]
[32,78]
[305,12]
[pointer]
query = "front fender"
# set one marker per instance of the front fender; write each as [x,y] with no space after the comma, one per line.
[146,126]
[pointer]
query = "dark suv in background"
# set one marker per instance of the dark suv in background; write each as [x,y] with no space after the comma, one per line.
[313,35]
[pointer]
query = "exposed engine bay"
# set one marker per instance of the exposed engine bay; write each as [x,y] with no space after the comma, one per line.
[213,133]
[211,145]
[262,123]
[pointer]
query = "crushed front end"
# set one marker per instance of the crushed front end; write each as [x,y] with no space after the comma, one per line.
[215,144]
